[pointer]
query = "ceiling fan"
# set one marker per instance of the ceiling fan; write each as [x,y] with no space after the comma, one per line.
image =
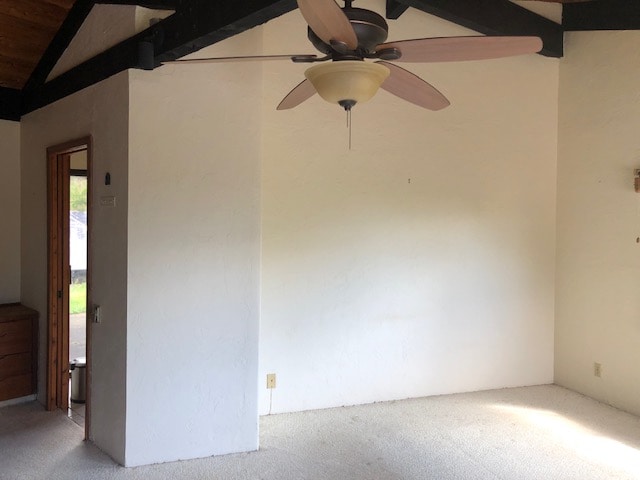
[348,37]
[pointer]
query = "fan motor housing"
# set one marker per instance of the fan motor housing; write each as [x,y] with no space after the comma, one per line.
[371,30]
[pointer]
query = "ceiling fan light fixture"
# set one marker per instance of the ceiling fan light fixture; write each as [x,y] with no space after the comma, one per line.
[347,80]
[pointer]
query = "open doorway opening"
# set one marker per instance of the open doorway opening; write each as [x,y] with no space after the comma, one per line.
[78,188]
[69,279]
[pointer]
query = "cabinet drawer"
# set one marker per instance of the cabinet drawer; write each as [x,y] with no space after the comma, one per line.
[15,386]
[15,337]
[15,364]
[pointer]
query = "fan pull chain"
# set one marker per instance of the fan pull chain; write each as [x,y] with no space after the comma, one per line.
[638,213]
[349,126]
[347,105]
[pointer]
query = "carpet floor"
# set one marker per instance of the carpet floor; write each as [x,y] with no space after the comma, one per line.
[544,432]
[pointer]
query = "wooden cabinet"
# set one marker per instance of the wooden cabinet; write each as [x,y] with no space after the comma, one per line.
[18,351]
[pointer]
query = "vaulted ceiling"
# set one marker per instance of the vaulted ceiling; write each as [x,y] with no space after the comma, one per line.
[35,33]
[27,27]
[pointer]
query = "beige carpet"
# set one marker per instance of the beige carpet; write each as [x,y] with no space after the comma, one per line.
[537,433]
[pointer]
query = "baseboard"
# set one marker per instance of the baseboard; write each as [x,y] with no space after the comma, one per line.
[16,401]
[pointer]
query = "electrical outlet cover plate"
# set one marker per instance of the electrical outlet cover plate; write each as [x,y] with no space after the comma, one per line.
[271,380]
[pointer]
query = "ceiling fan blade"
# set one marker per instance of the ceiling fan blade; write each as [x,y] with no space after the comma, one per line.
[303,91]
[328,22]
[456,49]
[408,86]
[248,58]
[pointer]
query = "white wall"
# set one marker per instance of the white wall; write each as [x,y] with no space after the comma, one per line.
[422,261]
[599,218]
[102,112]
[10,211]
[175,263]
[194,258]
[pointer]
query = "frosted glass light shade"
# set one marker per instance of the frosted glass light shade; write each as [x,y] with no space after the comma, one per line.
[347,80]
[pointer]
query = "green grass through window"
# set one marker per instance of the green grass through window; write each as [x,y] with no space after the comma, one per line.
[77,298]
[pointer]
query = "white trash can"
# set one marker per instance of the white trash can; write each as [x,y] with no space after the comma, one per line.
[78,367]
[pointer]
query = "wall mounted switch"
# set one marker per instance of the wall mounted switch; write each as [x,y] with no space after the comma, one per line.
[97,314]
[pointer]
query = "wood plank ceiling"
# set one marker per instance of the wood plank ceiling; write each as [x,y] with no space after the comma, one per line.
[35,33]
[26,29]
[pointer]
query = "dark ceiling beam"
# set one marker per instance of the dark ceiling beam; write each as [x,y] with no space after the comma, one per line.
[601,15]
[110,62]
[495,17]
[67,31]
[395,9]
[195,25]
[153,4]
[9,104]
[59,44]
[200,23]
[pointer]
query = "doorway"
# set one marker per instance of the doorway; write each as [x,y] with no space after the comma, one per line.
[78,187]
[69,279]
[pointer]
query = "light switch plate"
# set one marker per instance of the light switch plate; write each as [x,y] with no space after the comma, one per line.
[108,201]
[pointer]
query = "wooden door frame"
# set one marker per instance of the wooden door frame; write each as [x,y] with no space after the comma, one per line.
[58,280]
[58,274]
